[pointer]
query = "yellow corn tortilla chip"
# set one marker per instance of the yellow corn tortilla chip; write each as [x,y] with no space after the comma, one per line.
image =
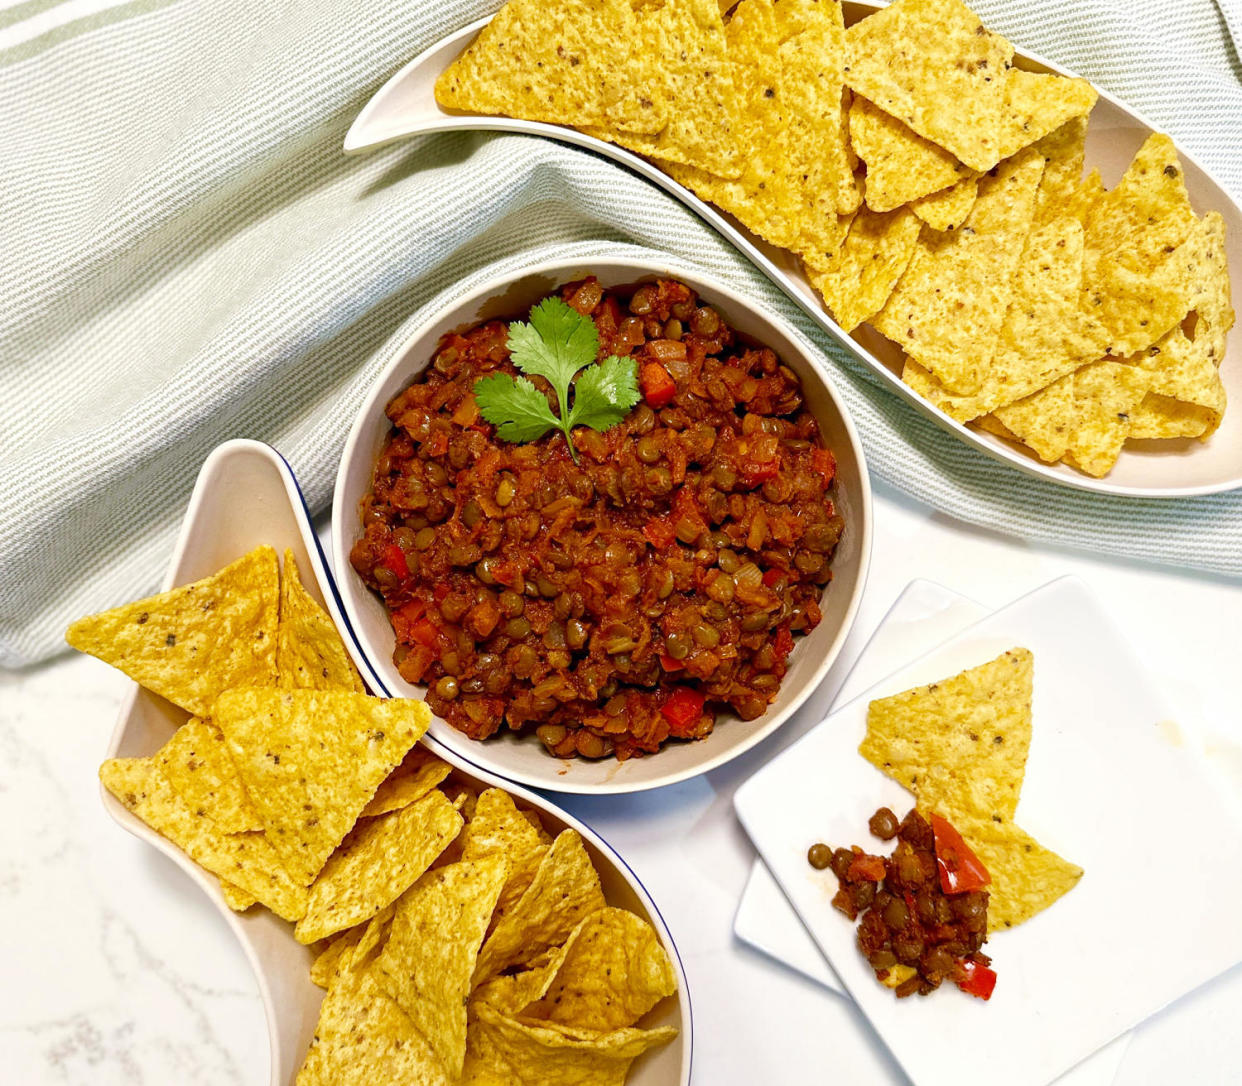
[336,955]
[309,652]
[974,727]
[935,67]
[565,889]
[1082,202]
[1043,420]
[246,860]
[1104,395]
[566,63]
[512,993]
[1026,876]
[901,165]
[615,971]
[1158,417]
[376,863]
[1064,151]
[312,759]
[418,774]
[1046,334]
[946,311]
[857,282]
[235,897]
[189,644]
[1036,105]
[198,765]
[679,56]
[427,964]
[363,1038]
[499,828]
[506,1052]
[948,208]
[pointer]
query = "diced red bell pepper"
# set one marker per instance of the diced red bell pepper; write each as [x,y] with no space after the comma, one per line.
[825,463]
[657,386]
[440,591]
[424,632]
[756,472]
[394,561]
[783,644]
[862,866]
[771,577]
[669,664]
[960,869]
[682,710]
[975,979]
[659,532]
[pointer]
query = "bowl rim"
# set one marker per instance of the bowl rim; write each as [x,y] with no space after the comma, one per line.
[347,585]
[320,573]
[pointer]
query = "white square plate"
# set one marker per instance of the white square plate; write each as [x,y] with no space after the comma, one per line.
[1107,785]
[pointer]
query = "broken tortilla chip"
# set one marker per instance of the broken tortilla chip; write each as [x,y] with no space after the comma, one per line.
[309,652]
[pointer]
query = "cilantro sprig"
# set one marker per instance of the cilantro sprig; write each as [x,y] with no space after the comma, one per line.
[557,344]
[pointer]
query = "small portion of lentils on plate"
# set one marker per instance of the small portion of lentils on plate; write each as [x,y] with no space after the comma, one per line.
[914,932]
[617,602]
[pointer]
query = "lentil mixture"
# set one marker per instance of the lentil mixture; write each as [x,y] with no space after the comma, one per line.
[912,933]
[617,602]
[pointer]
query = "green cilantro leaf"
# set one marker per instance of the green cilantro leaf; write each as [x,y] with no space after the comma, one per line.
[519,410]
[557,343]
[604,394]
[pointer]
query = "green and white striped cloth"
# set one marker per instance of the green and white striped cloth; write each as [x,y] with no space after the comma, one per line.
[186,256]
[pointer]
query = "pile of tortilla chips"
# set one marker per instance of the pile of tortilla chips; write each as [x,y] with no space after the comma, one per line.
[931,189]
[457,941]
[960,745]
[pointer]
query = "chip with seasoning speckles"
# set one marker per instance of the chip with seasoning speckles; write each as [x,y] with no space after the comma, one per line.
[192,642]
[309,652]
[198,765]
[312,759]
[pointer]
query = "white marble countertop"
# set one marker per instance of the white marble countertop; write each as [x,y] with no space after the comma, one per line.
[116,970]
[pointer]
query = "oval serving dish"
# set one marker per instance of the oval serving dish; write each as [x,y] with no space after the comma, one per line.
[246,495]
[523,758]
[406,106]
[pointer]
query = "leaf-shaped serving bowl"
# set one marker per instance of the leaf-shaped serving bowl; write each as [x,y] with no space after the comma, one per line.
[406,106]
[245,496]
[522,757]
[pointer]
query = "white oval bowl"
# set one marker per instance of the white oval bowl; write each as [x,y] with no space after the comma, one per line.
[245,496]
[406,106]
[522,757]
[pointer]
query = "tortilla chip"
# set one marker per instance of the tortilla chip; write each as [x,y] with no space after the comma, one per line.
[948,208]
[504,1051]
[568,63]
[247,860]
[615,971]
[948,308]
[1104,395]
[857,282]
[189,644]
[336,956]
[1046,333]
[235,897]
[975,727]
[901,165]
[499,828]
[1026,877]
[678,55]
[1043,420]
[1036,105]
[198,765]
[1064,151]
[418,774]
[565,889]
[428,962]
[934,66]
[1165,417]
[364,1038]
[512,993]
[312,759]
[309,652]
[376,864]
[1083,201]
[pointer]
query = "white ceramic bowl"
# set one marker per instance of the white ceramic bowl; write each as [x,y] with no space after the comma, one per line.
[523,758]
[406,106]
[245,496]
